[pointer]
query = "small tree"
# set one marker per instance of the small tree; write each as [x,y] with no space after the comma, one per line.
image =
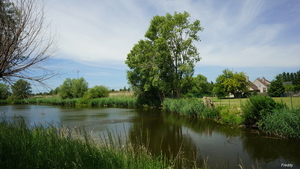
[4,91]
[97,92]
[231,83]
[21,90]
[276,88]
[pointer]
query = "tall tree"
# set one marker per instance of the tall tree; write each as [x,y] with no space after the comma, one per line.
[231,83]
[276,88]
[161,62]
[25,41]
[21,89]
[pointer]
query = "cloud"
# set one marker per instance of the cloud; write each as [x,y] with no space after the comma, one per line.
[237,33]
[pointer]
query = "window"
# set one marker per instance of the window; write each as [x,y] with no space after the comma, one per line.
[264,89]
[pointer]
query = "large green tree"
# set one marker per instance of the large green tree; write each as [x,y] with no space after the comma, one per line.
[231,83]
[199,86]
[73,88]
[165,58]
[21,89]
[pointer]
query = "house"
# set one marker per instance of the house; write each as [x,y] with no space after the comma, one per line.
[262,84]
[252,87]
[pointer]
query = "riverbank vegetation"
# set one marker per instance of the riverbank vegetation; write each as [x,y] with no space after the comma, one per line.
[260,112]
[51,147]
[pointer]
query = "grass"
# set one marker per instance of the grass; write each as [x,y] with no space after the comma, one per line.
[290,102]
[283,122]
[188,107]
[52,147]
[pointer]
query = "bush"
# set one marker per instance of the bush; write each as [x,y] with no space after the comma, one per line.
[230,115]
[258,107]
[283,122]
[97,92]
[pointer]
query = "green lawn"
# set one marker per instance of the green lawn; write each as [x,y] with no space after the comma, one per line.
[291,102]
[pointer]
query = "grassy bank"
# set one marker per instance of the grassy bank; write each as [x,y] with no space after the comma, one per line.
[52,147]
[260,111]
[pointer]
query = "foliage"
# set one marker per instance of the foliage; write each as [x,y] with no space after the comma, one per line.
[276,88]
[230,115]
[97,92]
[283,122]
[51,147]
[55,91]
[161,62]
[231,83]
[73,88]
[4,91]
[199,86]
[257,107]
[20,90]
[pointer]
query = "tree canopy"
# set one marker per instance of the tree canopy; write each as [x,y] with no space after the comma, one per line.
[231,83]
[21,89]
[276,88]
[4,91]
[97,92]
[73,88]
[165,58]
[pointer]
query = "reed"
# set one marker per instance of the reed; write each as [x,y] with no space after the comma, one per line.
[51,147]
[283,122]
[189,107]
[115,102]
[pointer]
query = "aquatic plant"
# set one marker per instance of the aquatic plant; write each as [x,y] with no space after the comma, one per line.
[51,147]
[282,122]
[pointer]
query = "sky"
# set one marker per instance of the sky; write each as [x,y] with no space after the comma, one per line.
[258,37]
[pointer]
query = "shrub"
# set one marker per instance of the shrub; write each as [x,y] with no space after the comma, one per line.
[259,106]
[97,92]
[283,122]
[230,115]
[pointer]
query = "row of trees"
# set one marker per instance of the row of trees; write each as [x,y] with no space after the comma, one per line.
[285,82]
[78,88]
[21,89]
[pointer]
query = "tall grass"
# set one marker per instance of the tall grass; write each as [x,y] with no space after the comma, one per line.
[283,122]
[115,102]
[47,101]
[52,147]
[189,107]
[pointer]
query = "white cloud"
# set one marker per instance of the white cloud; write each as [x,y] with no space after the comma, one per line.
[237,33]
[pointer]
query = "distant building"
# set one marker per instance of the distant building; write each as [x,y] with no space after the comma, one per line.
[252,87]
[262,84]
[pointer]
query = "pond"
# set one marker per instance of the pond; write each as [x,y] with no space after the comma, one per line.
[220,145]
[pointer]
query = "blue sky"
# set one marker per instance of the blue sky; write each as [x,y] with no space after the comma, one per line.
[258,37]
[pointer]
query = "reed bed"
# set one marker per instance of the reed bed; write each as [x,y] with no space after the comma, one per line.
[115,102]
[189,107]
[47,101]
[51,147]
